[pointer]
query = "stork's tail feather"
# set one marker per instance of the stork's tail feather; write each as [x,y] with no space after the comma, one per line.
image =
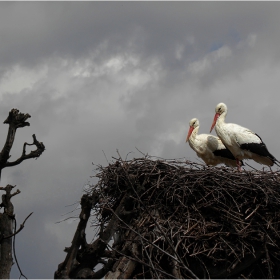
[277,162]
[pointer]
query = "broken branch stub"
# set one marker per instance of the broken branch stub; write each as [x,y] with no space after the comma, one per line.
[17,119]
[6,200]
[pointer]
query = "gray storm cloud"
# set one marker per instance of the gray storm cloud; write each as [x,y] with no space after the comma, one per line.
[100,76]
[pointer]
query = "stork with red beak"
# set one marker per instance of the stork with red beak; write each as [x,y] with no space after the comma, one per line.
[242,142]
[208,147]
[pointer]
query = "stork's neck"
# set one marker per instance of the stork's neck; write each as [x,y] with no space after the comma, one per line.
[221,119]
[192,138]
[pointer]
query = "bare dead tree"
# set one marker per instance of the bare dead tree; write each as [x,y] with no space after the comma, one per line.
[15,120]
[161,218]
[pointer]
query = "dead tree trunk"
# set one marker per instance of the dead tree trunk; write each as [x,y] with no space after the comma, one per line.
[6,259]
[6,219]
[82,257]
[15,121]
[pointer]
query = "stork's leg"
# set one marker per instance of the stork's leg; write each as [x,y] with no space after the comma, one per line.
[238,163]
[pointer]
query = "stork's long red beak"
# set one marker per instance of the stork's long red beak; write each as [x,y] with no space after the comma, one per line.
[190,133]
[214,121]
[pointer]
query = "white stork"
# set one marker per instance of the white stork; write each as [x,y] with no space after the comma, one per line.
[208,147]
[242,142]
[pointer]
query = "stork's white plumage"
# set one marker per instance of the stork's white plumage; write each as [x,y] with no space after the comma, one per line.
[208,147]
[242,142]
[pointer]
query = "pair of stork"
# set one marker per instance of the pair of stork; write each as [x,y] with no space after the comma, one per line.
[233,144]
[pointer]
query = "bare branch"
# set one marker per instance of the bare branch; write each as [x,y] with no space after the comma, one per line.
[20,229]
[15,121]
[33,154]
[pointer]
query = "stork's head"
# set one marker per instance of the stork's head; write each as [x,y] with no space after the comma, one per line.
[220,109]
[193,124]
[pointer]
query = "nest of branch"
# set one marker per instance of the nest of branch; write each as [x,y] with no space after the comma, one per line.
[179,219]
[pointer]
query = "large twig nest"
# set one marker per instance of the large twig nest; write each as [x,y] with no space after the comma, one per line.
[185,220]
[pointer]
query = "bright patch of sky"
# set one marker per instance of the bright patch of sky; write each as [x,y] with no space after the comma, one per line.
[20,78]
[207,62]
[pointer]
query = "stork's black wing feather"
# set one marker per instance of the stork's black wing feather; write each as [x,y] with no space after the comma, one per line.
[258,148]
[226,153]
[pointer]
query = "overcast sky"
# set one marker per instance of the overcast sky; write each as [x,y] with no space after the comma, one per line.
[100,76]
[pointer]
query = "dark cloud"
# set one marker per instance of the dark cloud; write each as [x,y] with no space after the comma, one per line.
[102,76]
[151,29]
